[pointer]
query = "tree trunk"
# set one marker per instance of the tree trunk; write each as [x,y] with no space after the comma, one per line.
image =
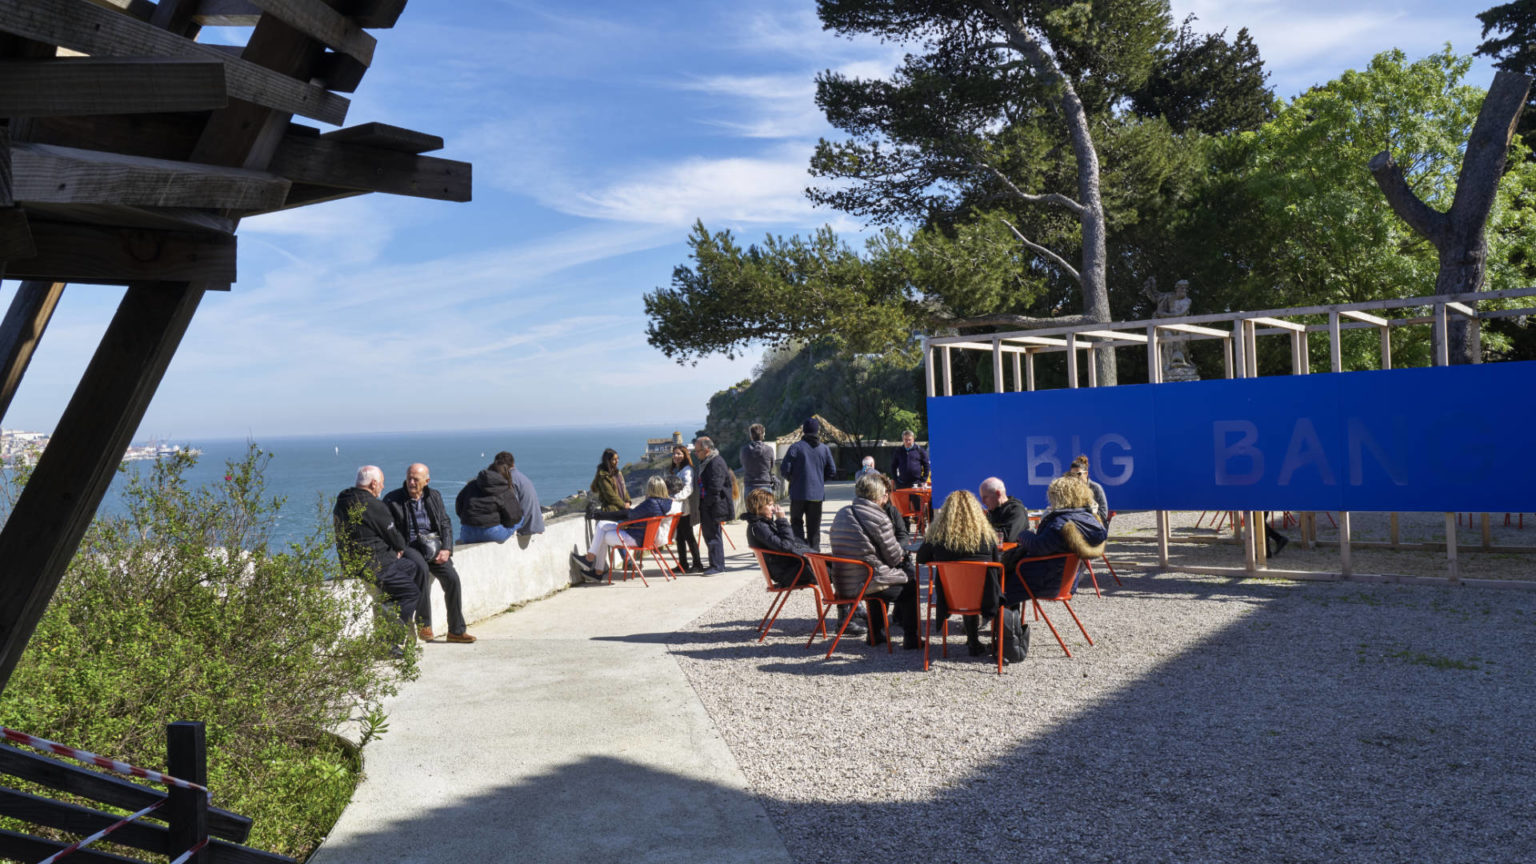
[1458,234]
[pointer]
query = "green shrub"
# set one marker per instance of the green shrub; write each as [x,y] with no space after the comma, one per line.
[181,610]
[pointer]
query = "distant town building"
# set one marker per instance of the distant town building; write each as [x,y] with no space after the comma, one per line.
[663,446]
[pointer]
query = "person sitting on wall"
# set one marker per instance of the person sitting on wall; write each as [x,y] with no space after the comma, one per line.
[366,538]
[962,532]
[607,534]
[862,531]
[417,509]
[1100,508]
[1008,515]
[488,509]
[1068,526]
[757,460]
[527,497]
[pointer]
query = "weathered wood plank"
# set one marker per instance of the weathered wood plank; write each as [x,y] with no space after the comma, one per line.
[158,136]
[21,331]
[48,173]
[84,27]
[107,789]
[117,256]
[324,24]
[349,166]
[21,847]
[119,216]
[15,236]
[73,86]
[386,137]
[373,14]
[226,13]
[74,819]
[339,72]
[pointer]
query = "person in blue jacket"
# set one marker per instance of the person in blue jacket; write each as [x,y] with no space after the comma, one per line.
[807,466]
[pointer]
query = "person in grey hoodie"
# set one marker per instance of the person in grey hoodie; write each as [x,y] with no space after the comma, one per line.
[756,460]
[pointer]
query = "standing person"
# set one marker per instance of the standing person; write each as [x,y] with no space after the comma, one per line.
[417,509]
[909,465]
[686,495]
[366,538]
[488,509]
[608,483]
[527,496]
[1008,515]
[863,531]
[714,501]
[808,466]
[756,460]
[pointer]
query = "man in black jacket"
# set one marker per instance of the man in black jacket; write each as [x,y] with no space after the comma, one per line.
[366,536]
[1008,515]
[715,501]
[419,513]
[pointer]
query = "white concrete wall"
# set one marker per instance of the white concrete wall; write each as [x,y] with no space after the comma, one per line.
[495,576]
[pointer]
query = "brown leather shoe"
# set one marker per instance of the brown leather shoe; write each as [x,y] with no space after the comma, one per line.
[425,633]
[461,638]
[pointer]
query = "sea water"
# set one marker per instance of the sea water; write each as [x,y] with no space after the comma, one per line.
[307,472]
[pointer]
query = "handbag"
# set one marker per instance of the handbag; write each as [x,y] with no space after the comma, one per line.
[1015,636]
[428,543]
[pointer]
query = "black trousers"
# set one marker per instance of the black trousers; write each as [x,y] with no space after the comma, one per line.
[904,598]
[453,596]
[805,521]
[686,541]
[400,580]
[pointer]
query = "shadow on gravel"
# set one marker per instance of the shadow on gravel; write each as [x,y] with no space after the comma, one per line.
[1324,723]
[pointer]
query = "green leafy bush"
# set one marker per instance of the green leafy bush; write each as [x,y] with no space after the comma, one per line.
[180,609]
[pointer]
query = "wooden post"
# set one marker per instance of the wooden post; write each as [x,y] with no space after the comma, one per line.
[928,367]
[1386,347]
[1240,348]
[949,381]
[1256,518]
[1250,559]
[187,810]
[1029,371]
[1440,342]
[1226,356]
[1392,527]
[1072,360]
[31,310]
[997,365]
[1451,567]
[1306,353]
[1346,562]
[74,471]
[1251,336]
[1154,358]
[1162,538]
[1093,365]
[1018,376]
[1296,352]
[1335,345]
[1487,533]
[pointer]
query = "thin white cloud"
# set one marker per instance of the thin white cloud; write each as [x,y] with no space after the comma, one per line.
[763,189]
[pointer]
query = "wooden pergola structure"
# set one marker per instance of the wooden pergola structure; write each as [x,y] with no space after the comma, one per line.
[1239,332]
[129,153]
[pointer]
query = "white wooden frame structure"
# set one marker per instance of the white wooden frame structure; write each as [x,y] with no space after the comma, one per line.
[1239,332]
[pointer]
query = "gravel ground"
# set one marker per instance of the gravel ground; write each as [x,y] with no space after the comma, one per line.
[1214,720]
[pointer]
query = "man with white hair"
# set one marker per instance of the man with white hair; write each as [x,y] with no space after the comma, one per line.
[1008,515]
[366,538]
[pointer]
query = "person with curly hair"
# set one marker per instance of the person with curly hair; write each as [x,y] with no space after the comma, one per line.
[962,532]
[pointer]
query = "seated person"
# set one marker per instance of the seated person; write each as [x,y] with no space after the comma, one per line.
[1069,526]
[1008,515]
[1079,469]
[862,531]
[867,467]
[898,524]
[768,528]
[420,516]
[606,534]
[366,538]
[488,509]
[527,497]
[961,532]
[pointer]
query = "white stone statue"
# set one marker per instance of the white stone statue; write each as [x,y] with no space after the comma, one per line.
[1172,304]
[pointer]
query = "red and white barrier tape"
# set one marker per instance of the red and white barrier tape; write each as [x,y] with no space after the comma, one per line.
[183,857]
[81,844]
[99,761]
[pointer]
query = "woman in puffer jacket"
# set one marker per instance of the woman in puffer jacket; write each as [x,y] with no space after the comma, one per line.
[863,531]
[1069,526]
[768,529]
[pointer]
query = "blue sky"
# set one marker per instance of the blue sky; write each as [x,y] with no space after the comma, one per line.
[598,133]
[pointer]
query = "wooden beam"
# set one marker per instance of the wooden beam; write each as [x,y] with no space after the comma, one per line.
[158,136]
[15,236]
[1113,334]
[226,13]
[21,331]
[370,169]
[72,475]
[122,216]
[1368,318]
[1462,309]
[47,173]
[116,256]
[1265,321]
[373,14]
[90,29]
[386,137]
[320,22]
[73,86]
[1196,329]
[339,72]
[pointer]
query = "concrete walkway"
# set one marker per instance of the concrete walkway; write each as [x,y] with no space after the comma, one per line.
[567,733]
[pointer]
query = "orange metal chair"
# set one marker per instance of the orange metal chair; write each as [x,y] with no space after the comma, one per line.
[781,593]
[1063,596]
[912,504]
[647,544]
[963,583]
[829,598]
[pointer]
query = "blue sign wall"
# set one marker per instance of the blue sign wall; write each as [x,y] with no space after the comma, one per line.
[1438,439]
